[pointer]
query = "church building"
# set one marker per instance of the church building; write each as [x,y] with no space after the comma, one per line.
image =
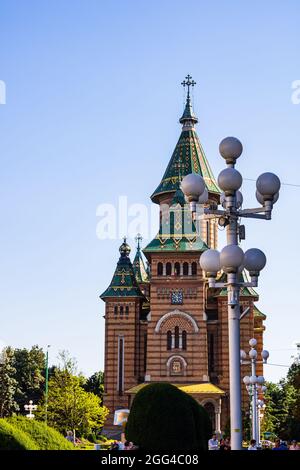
[162,322]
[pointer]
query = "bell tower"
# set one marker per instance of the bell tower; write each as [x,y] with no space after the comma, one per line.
[177,333]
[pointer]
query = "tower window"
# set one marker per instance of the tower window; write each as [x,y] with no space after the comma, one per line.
[159,269]
[121,310]
[169,340]
[177,269]
[211,352]
[176,337]
[168,269]
[185,269]
[184,340]
[120,365]
[115,310]
[194,268]
[145,352]
[126,310]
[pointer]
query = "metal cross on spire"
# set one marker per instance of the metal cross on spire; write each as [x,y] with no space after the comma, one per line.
[138,239]
[188,82]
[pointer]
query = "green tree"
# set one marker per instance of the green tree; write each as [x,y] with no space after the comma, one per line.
[70,407]
[280,416]
[30,374]
[164,418]
[8,384]
[95,384]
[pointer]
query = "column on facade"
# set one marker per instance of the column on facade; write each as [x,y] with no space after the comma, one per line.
[218,417]
[181,269]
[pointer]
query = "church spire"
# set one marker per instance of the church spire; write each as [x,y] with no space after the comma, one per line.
[139,269]
[188,156]
[123,283]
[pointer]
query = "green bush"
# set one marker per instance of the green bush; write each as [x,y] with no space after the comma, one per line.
[162,417]
[12,438]
[45,437]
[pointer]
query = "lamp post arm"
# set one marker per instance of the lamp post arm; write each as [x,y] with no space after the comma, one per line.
[245,312]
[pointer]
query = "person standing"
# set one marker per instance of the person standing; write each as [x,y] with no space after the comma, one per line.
[294,445]
[253,445]
[213,443]
[225,445]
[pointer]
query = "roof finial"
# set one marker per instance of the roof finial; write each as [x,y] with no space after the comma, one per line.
[188,119]
[188,82]
[138,239]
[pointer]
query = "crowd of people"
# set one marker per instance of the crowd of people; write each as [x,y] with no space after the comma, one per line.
[224,444]
[119,445]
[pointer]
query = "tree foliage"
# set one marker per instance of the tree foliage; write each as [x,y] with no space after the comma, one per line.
[12,438]
[95,384]
[45,437]
[162,418]
[282,413]
[70,407]
[29,374]
[8,383]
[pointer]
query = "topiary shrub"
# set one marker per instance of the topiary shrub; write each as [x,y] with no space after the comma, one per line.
[45,437]
[12,438]
[162,417]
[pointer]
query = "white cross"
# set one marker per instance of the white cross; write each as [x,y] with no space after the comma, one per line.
[30,408]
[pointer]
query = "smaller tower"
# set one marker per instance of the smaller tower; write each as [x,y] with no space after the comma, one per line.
[140,271]
[124,334]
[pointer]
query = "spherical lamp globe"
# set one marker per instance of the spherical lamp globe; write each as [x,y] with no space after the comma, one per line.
[230,180]
[268,185]
[255,260]
[231,258]
[210,261]
[230,149]
[192,186]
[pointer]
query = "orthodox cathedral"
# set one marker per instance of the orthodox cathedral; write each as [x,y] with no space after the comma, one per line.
[162,322]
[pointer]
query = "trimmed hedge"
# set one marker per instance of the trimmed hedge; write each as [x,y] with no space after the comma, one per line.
[162,417]
[45,437]
[12,438]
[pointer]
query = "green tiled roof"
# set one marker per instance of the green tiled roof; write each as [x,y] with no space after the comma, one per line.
[123,283]
[258,313]
[188,157]
[179,232]
[139,269]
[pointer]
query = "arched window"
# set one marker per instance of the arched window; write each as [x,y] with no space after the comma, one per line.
[194,268]
[169,340]
[211,353]
[121,310]
[159,269]
[185,269]
[126,310]
[184,339]
[168,269]
[177,269]
[176,337]
[116,310]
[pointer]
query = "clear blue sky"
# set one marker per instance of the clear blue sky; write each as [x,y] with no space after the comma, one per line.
[93,101]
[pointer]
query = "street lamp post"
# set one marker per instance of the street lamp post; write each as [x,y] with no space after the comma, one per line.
[31,407]
[254,384]
[46,384]
[232,260]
